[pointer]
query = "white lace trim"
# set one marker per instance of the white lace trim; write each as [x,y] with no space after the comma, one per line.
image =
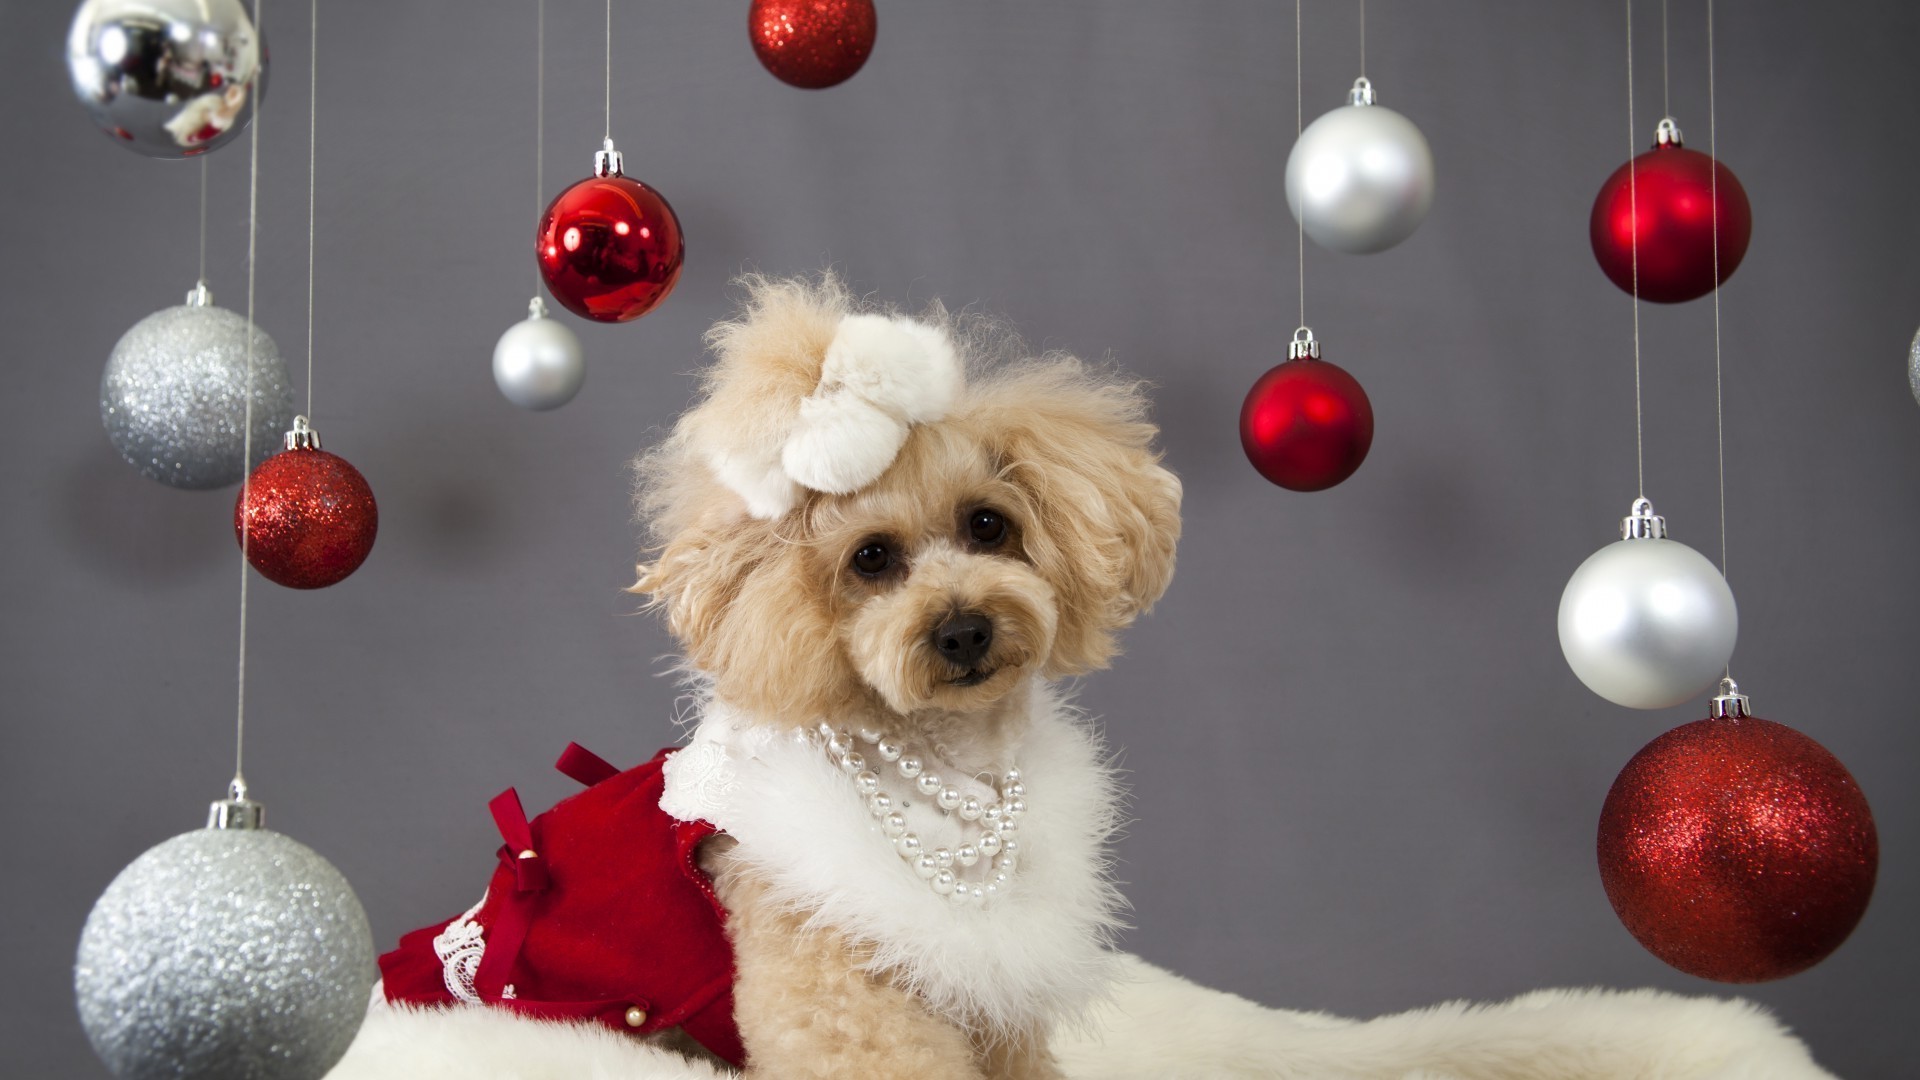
[460,948]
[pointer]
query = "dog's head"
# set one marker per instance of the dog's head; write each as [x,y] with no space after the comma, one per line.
[847,520]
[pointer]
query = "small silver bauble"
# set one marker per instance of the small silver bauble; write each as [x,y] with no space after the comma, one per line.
[1647,622]
[228,953]
[1913,367]
[167,78]
[538,363]
[1360,178]
[174,395]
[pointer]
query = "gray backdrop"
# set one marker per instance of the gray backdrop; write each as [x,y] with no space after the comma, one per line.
[1364,778]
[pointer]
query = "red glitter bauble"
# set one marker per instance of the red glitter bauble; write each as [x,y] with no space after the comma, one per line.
[610,248]
[1674,189]
[812,44]
[1306,425]
[310,518]
[1738,850]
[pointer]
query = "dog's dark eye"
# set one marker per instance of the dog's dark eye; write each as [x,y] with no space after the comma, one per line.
[872,559]
[987,527]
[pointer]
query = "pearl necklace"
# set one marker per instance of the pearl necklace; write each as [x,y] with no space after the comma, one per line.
[941,867]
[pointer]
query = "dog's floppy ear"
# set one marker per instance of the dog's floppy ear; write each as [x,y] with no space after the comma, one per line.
[1102,515]
[744,608]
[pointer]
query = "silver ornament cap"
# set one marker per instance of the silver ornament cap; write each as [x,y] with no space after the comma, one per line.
[226,953]
[173,397]
[608,162]
[1647,622]
[1303,346]
[538,363]
[1360,177]
[167,78]
[1730,703]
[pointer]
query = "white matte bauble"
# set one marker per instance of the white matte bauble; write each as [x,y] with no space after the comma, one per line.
[1360,178]
[1647,622]
[226,953]
[537,362]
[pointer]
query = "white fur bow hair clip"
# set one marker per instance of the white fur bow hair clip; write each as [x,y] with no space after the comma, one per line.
[880,375]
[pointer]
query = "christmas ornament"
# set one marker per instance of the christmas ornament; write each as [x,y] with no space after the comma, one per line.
[309,516]
[609,246]
[1306,424]
[1647,622]
[173,397]
[227,953]
[812,44]
[1675,190]
[167,78]
[537,362]
[1913,367]
[1360,178]
[1737,849]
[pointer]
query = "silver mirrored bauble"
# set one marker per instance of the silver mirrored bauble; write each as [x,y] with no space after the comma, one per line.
[1913,367]
[167,78]
[537,362]
[1648,622]
[174,395]
[1360,178]
[225,954]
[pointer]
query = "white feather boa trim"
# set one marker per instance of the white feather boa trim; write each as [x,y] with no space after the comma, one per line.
[1036,954]
[1161,1027]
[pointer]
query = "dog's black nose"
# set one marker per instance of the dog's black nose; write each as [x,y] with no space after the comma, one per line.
[963,639]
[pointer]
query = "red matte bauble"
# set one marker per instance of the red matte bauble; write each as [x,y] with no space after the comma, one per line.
[812,44]
[1306,425]
[1738,850]
[610,248]
[1674,188]
[309,517]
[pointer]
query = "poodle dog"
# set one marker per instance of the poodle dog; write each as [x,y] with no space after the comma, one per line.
[876,561]
[880,541]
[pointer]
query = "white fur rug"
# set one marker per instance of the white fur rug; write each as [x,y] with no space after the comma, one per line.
[1162,1027]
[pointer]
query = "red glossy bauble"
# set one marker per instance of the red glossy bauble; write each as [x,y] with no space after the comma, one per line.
[1675,194]
[812,44]
[1306,425]
[1737,849]
[610,248]
[310,518]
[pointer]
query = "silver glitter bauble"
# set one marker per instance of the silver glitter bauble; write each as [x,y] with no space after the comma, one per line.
[1913,367]
[1648,622]
[167,78]
[174,395]
[537,362]
[1360,178]
[225,954]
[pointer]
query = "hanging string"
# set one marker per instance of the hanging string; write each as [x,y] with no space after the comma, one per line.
[609,69]
[313,125]
[1298,126]
[203,219]
[1633,206]
[1363,38]
[1666,106]
[1713,204]
[539,119]
[239,788]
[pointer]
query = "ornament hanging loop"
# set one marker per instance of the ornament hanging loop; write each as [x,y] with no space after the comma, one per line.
[303,437]
[608,162]
[1730,703]
[1362,92]
[1668,133]
[1303,346]
[236,811]
[536,308]
[1641,523]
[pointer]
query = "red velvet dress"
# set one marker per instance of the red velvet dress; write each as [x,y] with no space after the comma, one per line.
[597,912]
